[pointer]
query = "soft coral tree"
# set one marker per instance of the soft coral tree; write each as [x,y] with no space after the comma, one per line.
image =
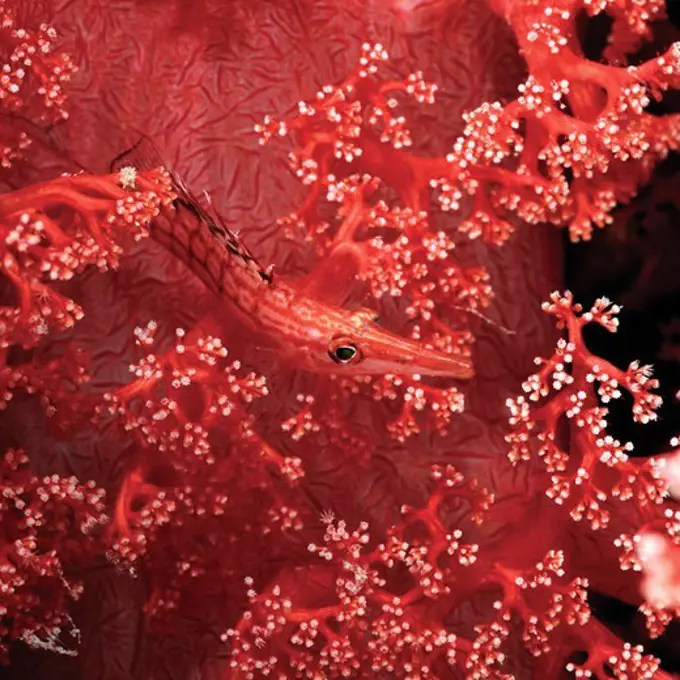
[574,143]
[583,117]
[382,606]
[49,233]
[208,503]
[579,381]
[200,469]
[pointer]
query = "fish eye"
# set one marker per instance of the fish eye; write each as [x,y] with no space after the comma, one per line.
[344,351]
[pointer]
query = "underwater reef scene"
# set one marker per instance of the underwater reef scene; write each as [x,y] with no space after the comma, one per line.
[339,339]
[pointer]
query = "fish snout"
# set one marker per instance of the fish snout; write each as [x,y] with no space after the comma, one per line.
[387,353]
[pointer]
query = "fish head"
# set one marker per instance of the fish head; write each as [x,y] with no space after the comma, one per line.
[354,344]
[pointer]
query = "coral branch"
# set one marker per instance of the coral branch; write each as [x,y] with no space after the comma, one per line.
[48,234]
[46,529]
[30,84]
[196,449]
[568,387]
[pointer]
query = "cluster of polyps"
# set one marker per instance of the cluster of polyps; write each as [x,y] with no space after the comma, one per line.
[632,23]
[362,617]
[512,159]
[49,233]
[598,470]
[200,467]
[156,405]
[362,625]
[304,421]
[411,395]
[414,397]
[543,598]
[41,520]
[37,248]
[612,143]
[568,385]
[31,81]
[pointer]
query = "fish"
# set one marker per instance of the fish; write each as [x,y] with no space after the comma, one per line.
[307,333]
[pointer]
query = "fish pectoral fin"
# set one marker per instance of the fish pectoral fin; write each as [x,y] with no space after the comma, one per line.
[363,316]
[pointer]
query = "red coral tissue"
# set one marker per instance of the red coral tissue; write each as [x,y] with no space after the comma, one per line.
[285,525]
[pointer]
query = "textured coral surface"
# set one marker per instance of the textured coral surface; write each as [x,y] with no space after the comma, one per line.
[197,77]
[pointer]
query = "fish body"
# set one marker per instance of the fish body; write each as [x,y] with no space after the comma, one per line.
[307,333]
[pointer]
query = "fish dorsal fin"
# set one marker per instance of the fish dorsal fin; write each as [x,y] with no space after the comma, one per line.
[144,155]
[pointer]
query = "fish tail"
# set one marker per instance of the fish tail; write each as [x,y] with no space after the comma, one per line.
[143,155]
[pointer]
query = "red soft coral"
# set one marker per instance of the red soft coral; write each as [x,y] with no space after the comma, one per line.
[224,473]
[31,84]
[47,529]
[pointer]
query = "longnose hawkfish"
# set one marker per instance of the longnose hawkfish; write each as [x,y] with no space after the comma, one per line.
[307,333]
